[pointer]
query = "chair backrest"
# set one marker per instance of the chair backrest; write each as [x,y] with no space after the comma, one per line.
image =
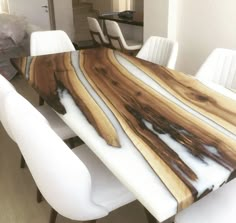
[220,68]
[115,35]
[60,175]
[5,88]
[48,42]
[159,50]
[96,31]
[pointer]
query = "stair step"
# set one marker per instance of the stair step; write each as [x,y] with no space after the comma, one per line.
[80,13]
[83,8]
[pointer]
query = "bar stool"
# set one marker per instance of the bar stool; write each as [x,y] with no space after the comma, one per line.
[117,39]
[96,32]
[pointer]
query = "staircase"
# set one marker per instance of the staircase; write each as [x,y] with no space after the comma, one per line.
[81,10]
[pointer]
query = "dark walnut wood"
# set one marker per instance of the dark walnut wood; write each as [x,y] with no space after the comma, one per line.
[50,73]
[145,115]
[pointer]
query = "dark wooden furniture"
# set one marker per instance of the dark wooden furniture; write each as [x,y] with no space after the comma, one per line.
[137,19]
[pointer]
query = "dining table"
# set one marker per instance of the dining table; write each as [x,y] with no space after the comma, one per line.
[168,137]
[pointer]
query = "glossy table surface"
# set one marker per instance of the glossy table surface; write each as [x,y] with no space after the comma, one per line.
[168,137]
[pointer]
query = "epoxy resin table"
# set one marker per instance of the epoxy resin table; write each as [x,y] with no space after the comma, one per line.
[169,138]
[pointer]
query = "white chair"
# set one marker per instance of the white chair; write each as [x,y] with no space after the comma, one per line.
[74,182]
[219,68]
[96,32]
[61,129]
[159,50]
[217,207]
[117,39]
[49,42]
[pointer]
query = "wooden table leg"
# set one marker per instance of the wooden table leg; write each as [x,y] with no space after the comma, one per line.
[53,216]
[39,196]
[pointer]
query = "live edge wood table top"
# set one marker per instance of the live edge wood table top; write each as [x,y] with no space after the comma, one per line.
[168,137]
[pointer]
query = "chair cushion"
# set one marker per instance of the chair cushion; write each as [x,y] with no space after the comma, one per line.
[133,45]
[107,190]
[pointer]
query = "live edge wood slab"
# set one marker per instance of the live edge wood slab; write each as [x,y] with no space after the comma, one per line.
[184,130]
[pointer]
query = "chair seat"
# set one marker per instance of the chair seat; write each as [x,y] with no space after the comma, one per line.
[112,197]
[217,207]
[60,127]
[133,45]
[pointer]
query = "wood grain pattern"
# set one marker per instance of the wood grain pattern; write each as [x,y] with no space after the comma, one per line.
[139,104]
[157,126]
[50,73]
[193,93]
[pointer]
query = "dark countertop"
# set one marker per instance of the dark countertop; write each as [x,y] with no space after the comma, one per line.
[137,19]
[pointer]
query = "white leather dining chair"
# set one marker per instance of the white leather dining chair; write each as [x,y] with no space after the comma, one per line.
[159,50]
[217,207]
[96,32]
[48,42]
[117,39]
[61,129]
[219,68]
[82,188]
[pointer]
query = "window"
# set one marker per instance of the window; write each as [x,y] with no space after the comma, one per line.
[4,6]
[121,5]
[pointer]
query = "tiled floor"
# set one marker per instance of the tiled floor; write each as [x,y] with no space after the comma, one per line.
[18,191]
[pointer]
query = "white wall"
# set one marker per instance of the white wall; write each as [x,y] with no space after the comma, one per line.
[103,6]
[203,25]
[64,16]
[138,5]
[155,18]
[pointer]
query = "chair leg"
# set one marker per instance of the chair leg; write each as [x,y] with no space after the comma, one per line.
[71,143]
[41,101]
[39,196]
[22,162]
[150,217]
[53,216]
